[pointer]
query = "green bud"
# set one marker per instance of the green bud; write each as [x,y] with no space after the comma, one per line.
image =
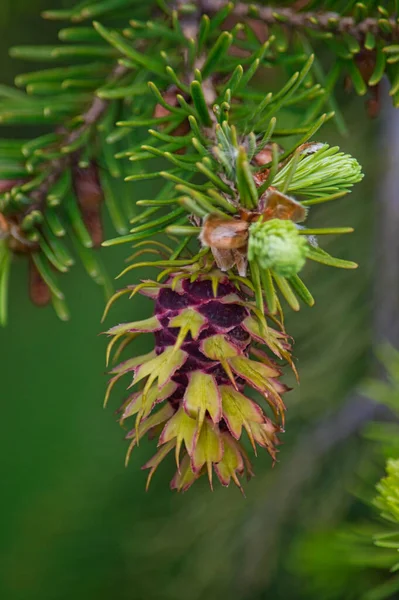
[277,245]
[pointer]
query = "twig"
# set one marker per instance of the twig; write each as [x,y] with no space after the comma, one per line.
[320,21]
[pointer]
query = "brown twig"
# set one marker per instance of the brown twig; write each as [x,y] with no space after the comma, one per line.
[57,166]
[319,21]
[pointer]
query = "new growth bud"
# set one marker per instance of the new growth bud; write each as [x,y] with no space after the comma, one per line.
[277,245]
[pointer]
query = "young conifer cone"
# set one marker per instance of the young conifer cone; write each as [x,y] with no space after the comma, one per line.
[191,390]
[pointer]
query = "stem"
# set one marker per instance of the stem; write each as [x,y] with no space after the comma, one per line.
[319,21]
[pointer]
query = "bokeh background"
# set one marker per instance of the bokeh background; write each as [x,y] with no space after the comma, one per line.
[74,523]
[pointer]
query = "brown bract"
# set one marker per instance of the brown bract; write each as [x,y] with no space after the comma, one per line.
[365,61]
[39,292]
[170,97]
[228,237]
[6,185]
[17,242]
[90,198]
[261,30]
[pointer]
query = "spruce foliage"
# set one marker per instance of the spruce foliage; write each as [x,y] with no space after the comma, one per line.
[175,93]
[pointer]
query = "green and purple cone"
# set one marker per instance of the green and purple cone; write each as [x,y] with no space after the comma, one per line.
[191,389]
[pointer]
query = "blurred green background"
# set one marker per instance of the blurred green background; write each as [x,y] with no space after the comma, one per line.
[76,524]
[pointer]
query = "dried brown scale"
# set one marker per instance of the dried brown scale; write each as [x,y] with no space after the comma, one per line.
[90,197]
[39,292]
[6,185]
[16,239]
[366,61]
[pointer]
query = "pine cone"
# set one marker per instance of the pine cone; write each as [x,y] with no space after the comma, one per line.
[206,352]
